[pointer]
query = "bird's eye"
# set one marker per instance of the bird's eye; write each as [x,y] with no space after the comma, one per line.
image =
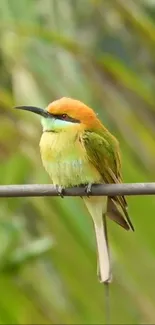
[64,116]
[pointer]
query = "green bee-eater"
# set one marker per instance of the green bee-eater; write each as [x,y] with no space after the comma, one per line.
[77,149]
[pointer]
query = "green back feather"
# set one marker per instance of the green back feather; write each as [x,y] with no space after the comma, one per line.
[104,153]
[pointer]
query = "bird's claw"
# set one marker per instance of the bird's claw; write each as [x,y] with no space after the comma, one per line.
[60,191]
[88,189]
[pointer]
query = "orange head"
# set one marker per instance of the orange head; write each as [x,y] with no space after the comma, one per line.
[72,110]
[65,113]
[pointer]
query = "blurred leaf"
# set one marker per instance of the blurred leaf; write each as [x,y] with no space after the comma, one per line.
[25,254]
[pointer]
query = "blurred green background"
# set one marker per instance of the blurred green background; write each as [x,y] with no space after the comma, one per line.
[103,53]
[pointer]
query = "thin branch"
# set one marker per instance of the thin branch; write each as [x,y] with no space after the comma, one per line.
[97,190]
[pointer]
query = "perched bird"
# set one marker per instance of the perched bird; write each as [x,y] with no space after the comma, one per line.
[77,149]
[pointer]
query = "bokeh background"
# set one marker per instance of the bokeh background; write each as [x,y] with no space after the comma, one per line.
[103,53]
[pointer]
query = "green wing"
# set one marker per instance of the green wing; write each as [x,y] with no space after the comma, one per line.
[103,152]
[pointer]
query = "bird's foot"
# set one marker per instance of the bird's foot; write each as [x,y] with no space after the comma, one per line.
[88,189]
[60,190]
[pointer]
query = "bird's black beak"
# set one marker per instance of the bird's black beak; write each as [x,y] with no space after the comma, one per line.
[36,110]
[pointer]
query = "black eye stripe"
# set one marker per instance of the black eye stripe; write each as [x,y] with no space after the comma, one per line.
[67,118]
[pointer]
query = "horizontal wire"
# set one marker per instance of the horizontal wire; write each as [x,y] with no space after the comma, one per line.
[96,190]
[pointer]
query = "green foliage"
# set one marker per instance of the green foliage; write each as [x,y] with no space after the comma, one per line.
[101,52]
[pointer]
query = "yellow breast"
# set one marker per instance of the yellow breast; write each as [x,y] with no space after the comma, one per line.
[65,159]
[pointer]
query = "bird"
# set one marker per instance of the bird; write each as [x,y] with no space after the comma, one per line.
[77,149]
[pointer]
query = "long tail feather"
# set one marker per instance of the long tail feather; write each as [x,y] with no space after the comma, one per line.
[97,207]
